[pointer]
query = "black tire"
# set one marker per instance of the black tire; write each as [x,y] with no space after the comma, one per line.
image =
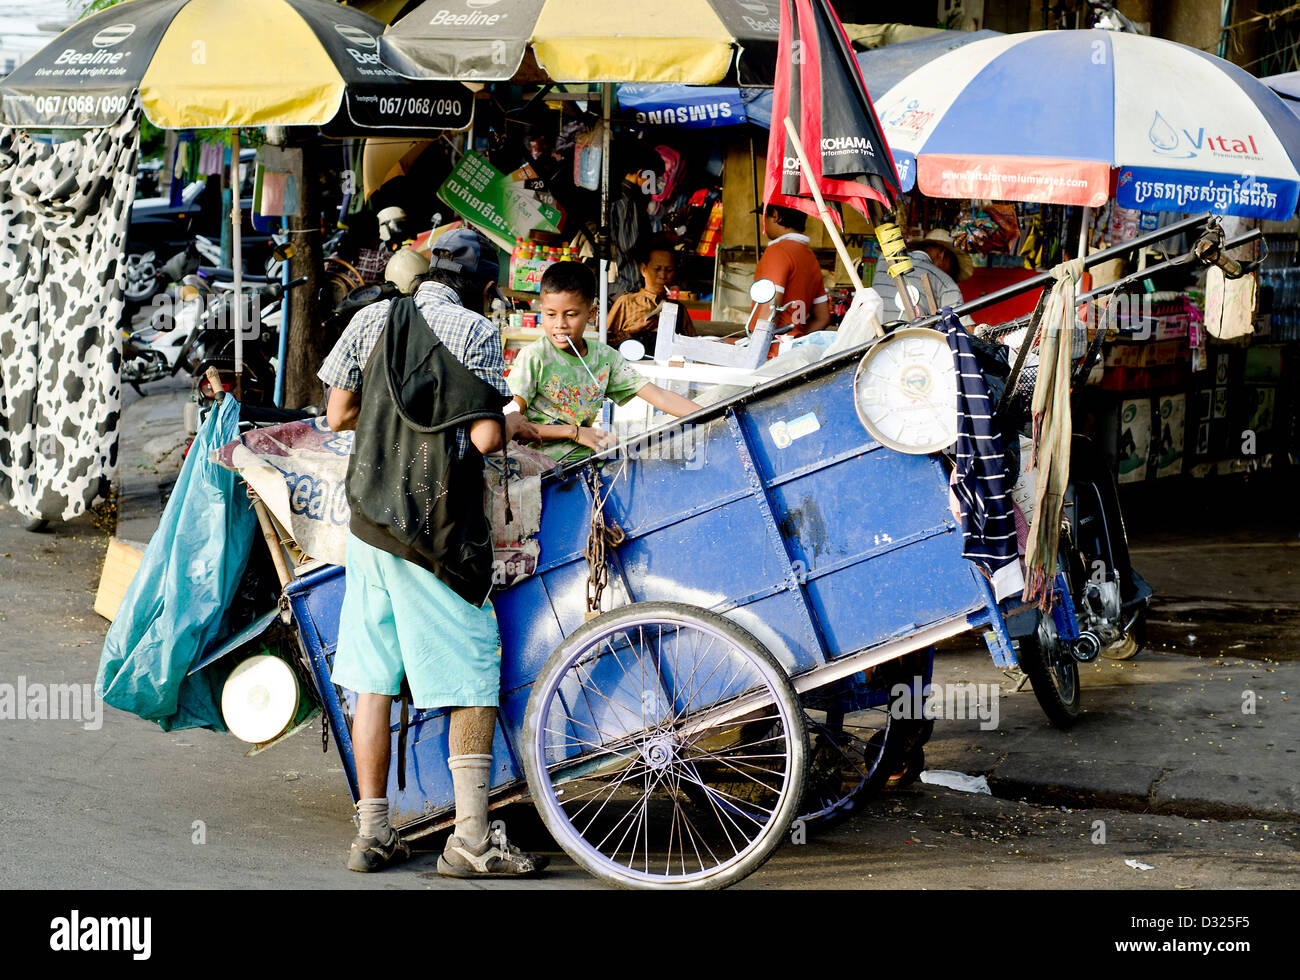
[36,525]
[1053,672]
[616,703]
[142,283]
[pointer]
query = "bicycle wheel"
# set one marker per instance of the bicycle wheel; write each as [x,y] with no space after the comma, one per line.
[846,757]
[643,704]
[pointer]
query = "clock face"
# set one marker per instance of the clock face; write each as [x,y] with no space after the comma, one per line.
[906,391]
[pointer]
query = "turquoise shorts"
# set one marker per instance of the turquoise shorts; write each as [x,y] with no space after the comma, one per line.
[399,620]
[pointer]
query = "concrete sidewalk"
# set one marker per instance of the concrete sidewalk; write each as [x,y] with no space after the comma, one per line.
[1162,733]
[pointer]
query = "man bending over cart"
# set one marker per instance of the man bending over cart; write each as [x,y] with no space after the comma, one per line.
[419,561]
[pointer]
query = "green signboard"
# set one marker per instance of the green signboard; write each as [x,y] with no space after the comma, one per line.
[501,205]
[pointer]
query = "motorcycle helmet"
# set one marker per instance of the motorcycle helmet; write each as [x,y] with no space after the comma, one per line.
[402,269]
[391,221]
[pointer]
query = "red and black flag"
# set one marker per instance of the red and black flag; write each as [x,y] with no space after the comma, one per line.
[819,86]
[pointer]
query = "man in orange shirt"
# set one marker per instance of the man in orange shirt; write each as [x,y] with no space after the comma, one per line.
[793,268]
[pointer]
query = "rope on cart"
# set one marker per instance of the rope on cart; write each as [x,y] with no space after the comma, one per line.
[601,536]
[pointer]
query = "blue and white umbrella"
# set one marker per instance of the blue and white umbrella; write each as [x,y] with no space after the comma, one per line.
[1288,87]
[1068,117]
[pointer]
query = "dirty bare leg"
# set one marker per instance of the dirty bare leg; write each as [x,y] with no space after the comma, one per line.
[471,730]
[469,741]
[372,743]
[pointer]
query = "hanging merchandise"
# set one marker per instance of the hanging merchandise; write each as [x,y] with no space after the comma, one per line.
[1172,414]
[277,189]
[1229,305]
[63,218]
[1030,247]
[212,159]
[989,227]
[1134,440]
[1121,223]
[354,200]
[587,150]
[668,182]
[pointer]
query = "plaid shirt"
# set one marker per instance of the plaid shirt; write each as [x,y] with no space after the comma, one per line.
[470,337]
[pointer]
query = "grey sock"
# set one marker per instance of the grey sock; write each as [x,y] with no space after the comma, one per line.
[470,776]
[373,814]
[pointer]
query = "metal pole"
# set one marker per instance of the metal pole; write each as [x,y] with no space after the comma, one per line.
[758,218]
[1096,258]
[1142,274]
[1085,225]
[605,95]
[237,262]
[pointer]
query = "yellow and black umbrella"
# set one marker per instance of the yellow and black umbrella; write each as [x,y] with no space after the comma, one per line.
[693,42]
[223,64]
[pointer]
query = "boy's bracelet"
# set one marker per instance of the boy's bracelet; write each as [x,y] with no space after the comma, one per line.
[575,433]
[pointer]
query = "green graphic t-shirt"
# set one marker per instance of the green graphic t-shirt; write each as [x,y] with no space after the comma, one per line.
[559,391]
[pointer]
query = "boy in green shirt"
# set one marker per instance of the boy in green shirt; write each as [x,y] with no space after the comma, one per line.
[560,381]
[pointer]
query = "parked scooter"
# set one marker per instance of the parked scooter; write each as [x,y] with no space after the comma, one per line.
[213,343]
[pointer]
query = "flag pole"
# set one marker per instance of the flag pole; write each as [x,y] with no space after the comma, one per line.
[829,222]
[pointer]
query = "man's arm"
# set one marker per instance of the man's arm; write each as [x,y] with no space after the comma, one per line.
[343,408]
[821,315]
[486,435]
[667,401]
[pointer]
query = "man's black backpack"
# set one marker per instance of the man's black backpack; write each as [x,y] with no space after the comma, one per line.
[411,494]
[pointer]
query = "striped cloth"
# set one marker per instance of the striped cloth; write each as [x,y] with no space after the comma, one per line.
[980,481]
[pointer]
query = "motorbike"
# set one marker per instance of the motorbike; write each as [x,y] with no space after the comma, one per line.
[212,345]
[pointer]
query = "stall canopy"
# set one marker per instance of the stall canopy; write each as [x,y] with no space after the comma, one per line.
[1167,127]
[884,67]
[695,42]
[1288,87]
[227,63]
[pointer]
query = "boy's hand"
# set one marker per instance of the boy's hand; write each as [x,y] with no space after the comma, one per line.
[597,439]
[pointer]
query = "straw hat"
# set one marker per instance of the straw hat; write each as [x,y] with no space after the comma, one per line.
[962,261]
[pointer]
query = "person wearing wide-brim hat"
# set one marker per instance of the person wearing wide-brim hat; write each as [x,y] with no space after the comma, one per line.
[934,257]
[937,244]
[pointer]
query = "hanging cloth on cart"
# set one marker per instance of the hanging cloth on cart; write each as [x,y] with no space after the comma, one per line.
[1052,429]
[979,477]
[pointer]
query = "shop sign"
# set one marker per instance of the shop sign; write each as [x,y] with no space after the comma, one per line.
[499,204]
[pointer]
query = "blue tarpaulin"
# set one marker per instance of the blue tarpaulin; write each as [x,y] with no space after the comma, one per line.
[175,607]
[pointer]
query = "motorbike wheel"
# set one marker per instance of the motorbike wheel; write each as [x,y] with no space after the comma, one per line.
[1053,672]
[142,283]
[36,525]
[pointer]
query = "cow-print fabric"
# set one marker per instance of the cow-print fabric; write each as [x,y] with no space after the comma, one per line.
[64,211]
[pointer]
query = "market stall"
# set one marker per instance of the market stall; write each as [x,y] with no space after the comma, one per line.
[1120,134]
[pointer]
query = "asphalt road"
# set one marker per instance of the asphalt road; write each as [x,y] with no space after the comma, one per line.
[128,806]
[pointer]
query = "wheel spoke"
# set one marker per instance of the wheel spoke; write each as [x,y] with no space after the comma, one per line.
[637,809]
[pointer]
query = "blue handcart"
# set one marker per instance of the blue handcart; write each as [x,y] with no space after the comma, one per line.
[773,583]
